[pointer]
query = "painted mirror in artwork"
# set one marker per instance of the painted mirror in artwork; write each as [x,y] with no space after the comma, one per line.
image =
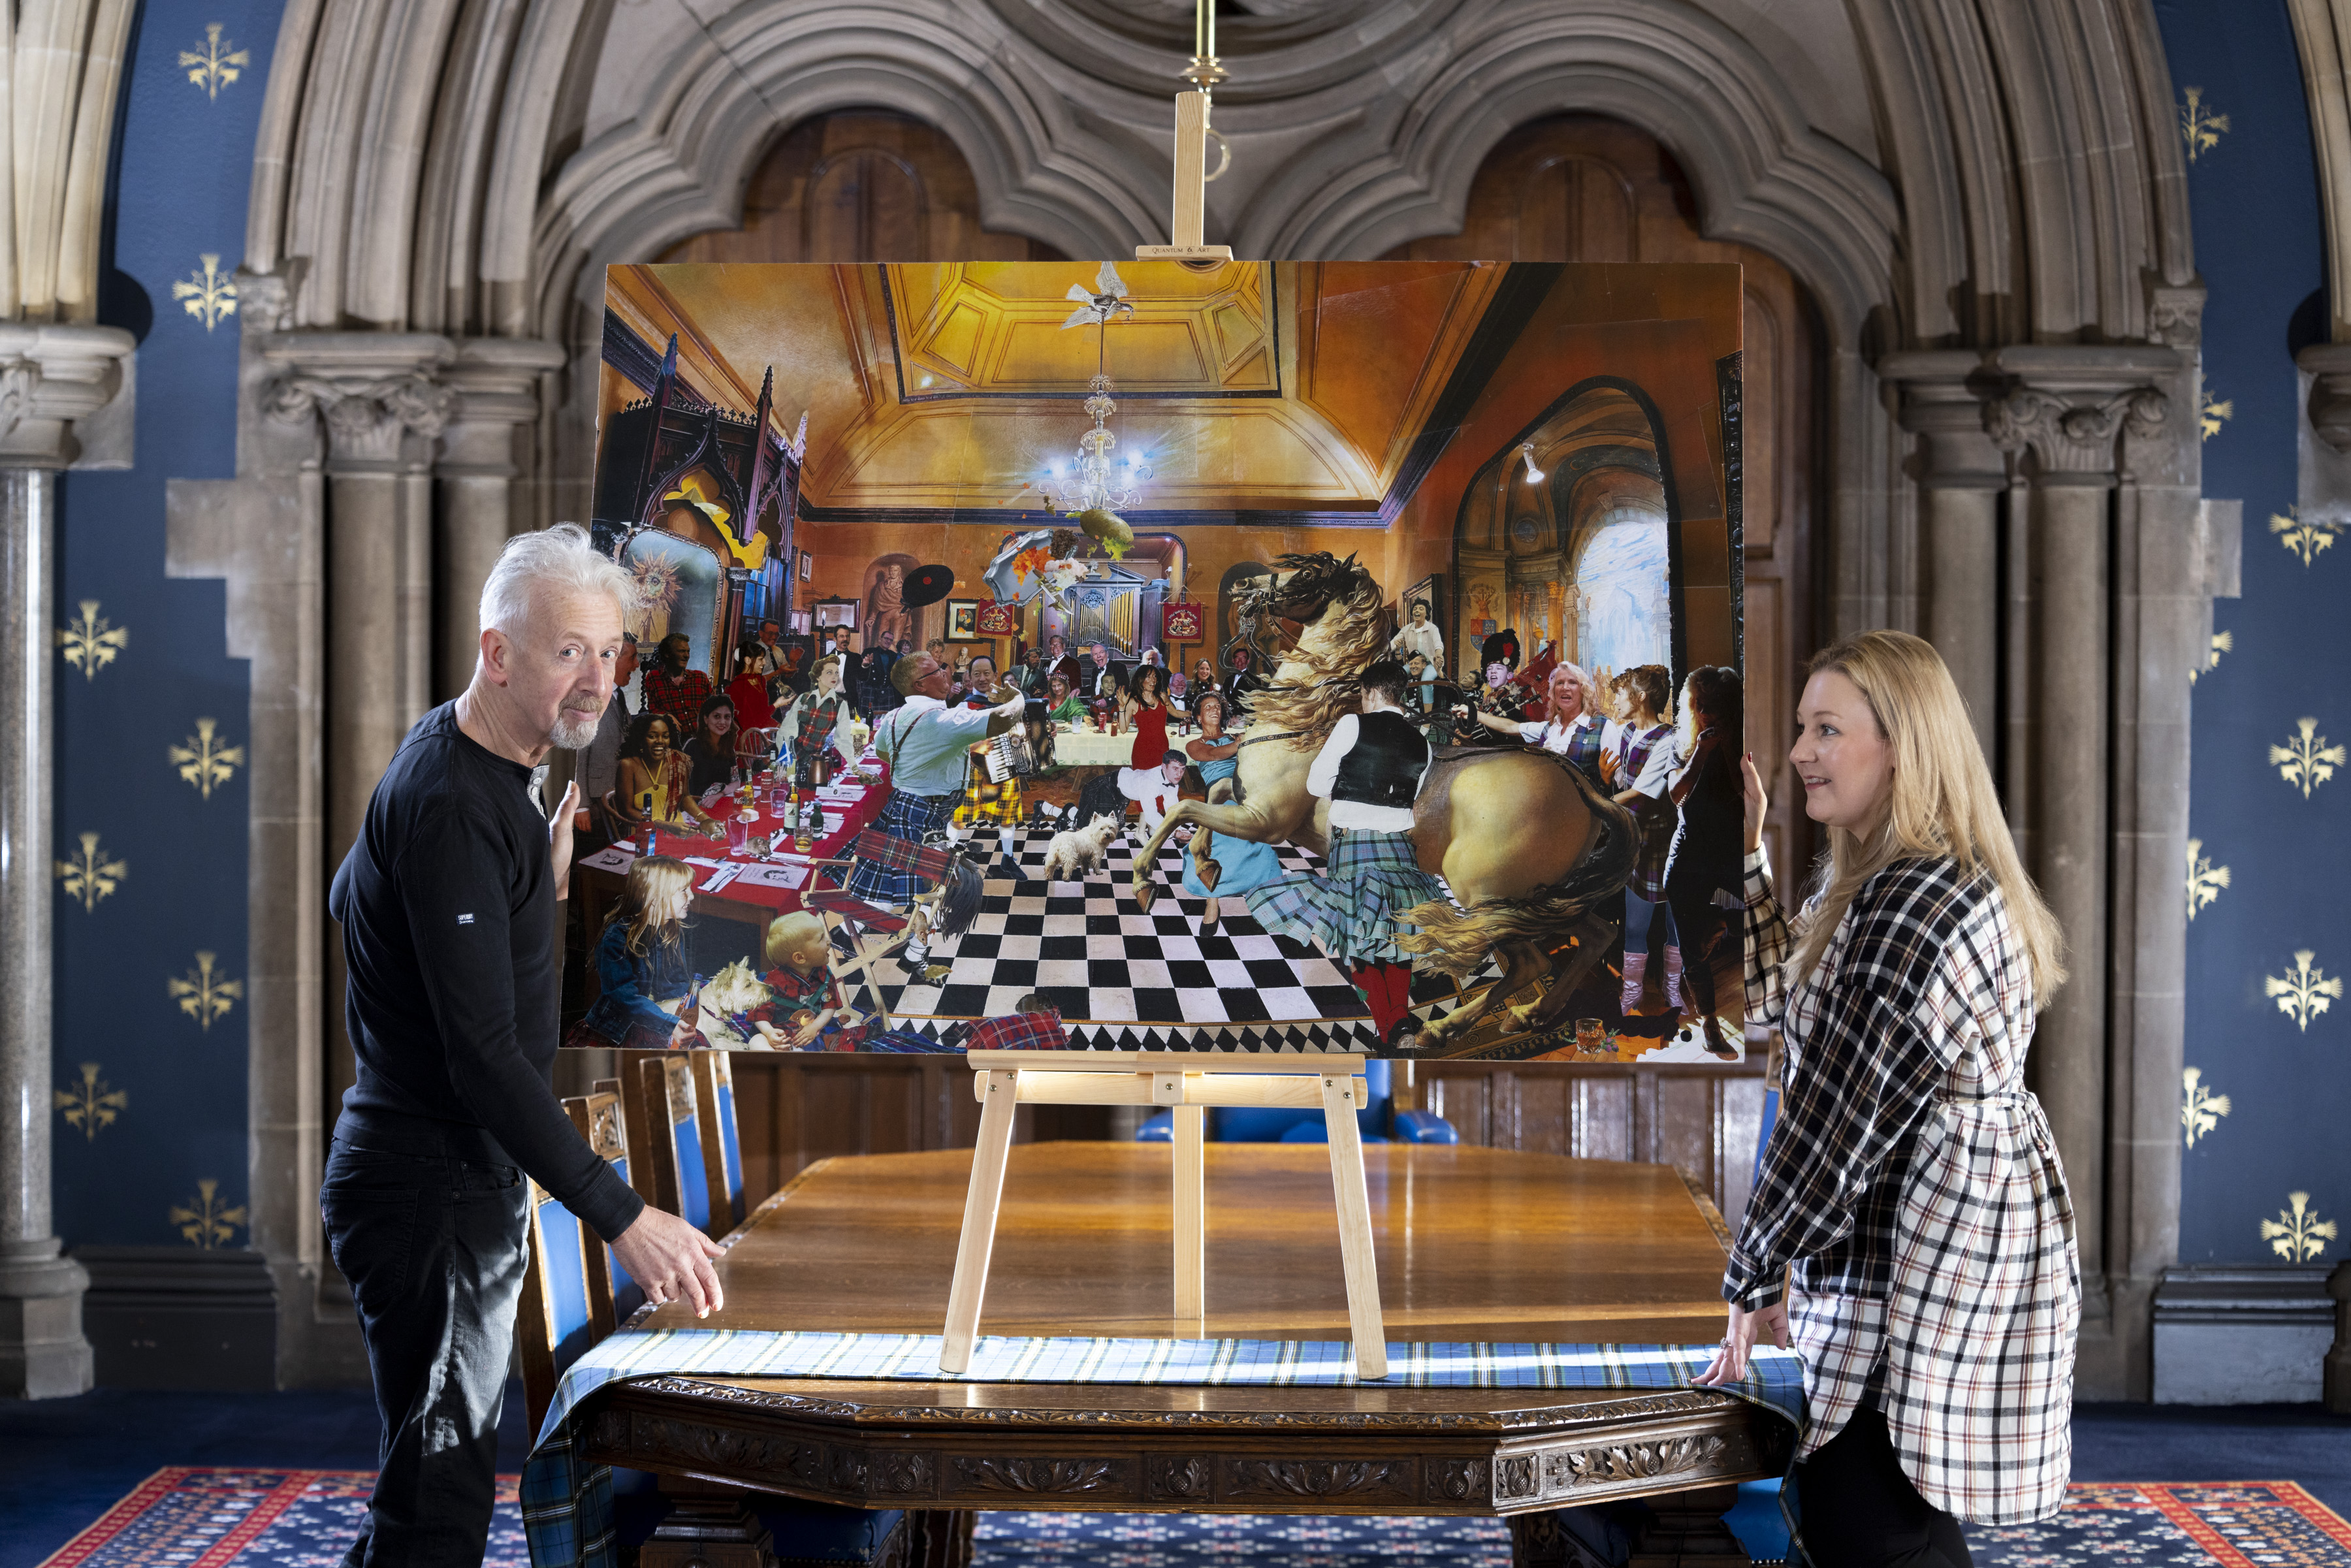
[1263,656]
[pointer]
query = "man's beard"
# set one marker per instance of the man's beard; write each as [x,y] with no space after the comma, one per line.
[574,728]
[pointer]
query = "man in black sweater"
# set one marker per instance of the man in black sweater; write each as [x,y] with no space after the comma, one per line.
[447,901]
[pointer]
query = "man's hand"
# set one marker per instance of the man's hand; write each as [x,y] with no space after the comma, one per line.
[1730,1363]
[672,1260]
[558,840]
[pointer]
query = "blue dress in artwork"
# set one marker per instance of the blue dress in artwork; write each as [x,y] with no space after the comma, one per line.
[1246,865]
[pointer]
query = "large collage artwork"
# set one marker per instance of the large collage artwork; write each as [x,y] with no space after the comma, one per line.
[1362,641]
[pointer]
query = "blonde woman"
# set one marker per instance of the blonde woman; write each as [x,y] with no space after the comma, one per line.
[1911,1190]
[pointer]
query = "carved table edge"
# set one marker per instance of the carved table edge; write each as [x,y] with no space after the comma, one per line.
[1587,1416]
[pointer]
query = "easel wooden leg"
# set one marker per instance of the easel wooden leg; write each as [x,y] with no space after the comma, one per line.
[1191,1215]
[1354,1227]
[998,1093]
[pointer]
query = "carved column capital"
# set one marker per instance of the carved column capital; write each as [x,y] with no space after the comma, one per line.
[2175,315]
[2068,408]
[1944,394]
[382,397]
[2329,368]
[50,377]
[496,382]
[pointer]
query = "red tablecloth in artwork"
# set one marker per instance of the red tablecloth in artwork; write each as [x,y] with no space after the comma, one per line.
[843,823]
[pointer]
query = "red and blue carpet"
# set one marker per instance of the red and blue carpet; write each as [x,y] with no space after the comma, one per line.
[189,1517]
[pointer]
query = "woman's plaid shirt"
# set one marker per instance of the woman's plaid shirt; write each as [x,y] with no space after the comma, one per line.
[1912,1190]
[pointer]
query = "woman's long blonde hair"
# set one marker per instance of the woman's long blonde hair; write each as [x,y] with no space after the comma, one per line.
[655,881]
[1941,802]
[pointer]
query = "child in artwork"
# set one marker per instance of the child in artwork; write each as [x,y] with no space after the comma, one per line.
[641,965]
[807,1008]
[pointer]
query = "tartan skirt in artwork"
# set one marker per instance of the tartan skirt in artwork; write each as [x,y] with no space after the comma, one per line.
[913,817]
[1355,911]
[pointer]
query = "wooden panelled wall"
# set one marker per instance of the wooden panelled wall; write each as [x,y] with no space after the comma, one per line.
[797,1109]
[867,185]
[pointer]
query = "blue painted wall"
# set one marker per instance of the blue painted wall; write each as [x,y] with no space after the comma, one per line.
[2259,244]
[184,166]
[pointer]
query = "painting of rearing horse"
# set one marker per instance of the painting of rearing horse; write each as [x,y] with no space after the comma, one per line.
[1526,845]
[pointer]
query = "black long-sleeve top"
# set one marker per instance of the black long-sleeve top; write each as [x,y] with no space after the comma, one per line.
[447,905]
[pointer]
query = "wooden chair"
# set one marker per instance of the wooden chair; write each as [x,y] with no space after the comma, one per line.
[722,1141]
[557,1321]
[569,1303]
[837,906]
[674,1124]
[612,1296]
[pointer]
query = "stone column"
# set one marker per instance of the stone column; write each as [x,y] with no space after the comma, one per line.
[2064,418]
[382,404]
[49,376]
[1959,474]
[496,382]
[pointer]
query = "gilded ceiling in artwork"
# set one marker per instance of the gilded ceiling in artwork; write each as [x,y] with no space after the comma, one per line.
[1250,387]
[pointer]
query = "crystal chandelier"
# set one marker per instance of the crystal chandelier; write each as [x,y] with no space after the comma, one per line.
[1095,482]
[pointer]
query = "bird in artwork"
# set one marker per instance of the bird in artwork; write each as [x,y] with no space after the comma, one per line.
[1106,301]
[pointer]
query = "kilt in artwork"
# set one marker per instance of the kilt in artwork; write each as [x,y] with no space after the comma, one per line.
[913,817]
[1354,911]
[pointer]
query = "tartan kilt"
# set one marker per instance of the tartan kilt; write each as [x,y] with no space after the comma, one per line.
[1003,810]
[1653,827]
[1355,912]
[913,817]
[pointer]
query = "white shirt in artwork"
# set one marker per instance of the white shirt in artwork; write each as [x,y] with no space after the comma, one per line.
[1356,815]
[1556,737]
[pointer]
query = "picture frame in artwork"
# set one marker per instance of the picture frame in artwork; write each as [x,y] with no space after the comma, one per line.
[837,612]
[963,619]
[808,566]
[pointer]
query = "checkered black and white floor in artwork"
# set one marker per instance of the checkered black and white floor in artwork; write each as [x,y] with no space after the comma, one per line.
[1089,950]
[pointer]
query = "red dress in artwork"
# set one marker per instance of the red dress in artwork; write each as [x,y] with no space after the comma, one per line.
[1150,736]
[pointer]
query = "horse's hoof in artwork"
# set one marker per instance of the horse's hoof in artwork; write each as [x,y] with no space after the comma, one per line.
[1209,873]
[1145,891]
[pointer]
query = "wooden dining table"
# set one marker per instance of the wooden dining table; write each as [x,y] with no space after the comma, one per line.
[1472,1244]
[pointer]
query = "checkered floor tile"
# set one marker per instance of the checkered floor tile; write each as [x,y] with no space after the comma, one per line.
[1089,950]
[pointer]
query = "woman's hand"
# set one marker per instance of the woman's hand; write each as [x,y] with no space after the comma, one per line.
[1746,1330]
[1751,796]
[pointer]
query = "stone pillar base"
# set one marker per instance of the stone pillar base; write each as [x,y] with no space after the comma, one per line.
[43,1355]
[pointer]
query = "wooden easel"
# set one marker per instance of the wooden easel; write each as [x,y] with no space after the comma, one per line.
[1187,1082]
[1186,221]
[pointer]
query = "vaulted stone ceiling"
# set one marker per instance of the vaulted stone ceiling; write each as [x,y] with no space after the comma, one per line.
[1257,387]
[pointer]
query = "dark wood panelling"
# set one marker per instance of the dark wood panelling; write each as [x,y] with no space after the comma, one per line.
[1703,1120]
[862,185]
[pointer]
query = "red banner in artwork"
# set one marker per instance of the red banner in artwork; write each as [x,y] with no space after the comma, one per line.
[1182,622]
[998,620]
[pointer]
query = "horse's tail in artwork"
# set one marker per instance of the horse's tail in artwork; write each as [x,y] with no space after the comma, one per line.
[1456,940]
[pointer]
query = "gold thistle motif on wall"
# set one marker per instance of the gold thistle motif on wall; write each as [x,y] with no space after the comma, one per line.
[2223,642]
[204,1222]
[203,995]
[2205,880]
[91,876]
[2199,125]
[205,763]
[91,1103]
[2303,991]
[2306,760]
[2297,1235]
[2303,537]
[2202,1109]
[207,294]
[92,641]
[2211,412]
[217,64]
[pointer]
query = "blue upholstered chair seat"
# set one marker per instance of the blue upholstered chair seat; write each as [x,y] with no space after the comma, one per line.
[1377,1123]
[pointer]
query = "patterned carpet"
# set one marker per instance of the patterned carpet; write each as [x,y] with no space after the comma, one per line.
[190,1517]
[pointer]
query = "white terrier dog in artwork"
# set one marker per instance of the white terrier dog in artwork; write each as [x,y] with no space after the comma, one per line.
[1082,849]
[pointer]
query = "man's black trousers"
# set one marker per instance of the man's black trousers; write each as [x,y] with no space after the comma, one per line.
[1860,1510]
[433,1248]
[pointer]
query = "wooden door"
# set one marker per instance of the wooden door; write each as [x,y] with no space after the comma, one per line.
[1582,188]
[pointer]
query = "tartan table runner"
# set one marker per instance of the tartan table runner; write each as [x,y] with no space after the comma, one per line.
[566,1502]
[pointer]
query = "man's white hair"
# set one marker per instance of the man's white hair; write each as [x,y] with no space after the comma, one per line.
[559,558]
